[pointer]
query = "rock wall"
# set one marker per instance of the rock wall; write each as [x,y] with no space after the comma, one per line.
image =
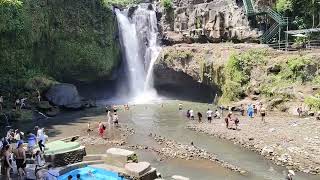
[206,21]
[202,63]
[248,72]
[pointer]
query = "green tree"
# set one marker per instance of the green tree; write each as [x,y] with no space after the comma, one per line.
[167,4]
[284,5]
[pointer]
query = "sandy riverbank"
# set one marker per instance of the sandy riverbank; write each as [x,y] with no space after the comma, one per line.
[286,140]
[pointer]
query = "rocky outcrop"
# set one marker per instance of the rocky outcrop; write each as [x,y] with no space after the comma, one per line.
[65,95]
[203,63]
[206,21]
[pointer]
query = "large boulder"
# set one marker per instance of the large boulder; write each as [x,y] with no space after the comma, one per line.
[65,95]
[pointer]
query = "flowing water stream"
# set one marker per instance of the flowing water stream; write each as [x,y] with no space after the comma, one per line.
[167,121]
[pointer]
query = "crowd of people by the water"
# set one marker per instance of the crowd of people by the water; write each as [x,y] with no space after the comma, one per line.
[17,146]
[231,118]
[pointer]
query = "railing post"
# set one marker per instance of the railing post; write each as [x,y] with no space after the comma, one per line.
[279,37]
[287,35]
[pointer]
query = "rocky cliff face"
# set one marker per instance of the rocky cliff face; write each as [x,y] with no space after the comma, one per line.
[242,71]
[206,21]
[189,65]
[200,62]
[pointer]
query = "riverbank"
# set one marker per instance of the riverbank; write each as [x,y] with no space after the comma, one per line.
[170,149]
[286,140]
[163,147]
[167,121]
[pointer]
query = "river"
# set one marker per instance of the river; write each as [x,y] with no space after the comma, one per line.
[169,122]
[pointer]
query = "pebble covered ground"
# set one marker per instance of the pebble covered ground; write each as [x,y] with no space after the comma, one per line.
[286,140]
[171,149]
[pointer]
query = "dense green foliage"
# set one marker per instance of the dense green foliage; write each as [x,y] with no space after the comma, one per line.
[284,5]
[278,86]
[64,40]
[109,3]
[238,73]
[313,101]
[304,13]
[295,71]
[167,4]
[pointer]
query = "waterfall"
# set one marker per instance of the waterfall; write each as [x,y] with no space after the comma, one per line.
[138,39]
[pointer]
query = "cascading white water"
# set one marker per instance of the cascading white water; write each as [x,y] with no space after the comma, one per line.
[138,36]
[130,44]
[152,52]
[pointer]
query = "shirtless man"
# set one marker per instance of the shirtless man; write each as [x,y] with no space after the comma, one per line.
[20,157]
[7,161]
[263,113]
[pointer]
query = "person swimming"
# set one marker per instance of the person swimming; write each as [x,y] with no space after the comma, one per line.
[90,173]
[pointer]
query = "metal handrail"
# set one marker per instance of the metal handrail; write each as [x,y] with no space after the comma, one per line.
[248,7]
[270,33]
[290,46]
[276,16]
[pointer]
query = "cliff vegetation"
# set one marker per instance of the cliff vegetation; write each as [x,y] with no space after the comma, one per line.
[55,40]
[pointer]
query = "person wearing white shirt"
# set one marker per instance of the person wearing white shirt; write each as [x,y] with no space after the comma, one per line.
[191,114]
[217,114]
[209,115]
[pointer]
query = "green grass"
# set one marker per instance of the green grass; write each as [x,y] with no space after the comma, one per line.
[313,102]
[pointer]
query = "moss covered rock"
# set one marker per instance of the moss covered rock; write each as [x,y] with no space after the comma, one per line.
[39,83]
[67,40]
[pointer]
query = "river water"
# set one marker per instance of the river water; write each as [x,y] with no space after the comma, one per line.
[169,122]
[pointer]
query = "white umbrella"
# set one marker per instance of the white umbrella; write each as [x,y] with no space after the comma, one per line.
[299,35]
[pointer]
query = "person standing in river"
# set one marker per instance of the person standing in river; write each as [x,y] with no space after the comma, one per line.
[217,114]
[89,129]
[115,119]
[263,113]
[199,117]
[191,114]
[250,111]
[290,175]
[209,115]
[299,110]
[188,114]
[242,110]
[228,119]
[108,116]
[101,129]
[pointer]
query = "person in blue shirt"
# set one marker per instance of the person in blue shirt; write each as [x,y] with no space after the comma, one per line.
[32,140]
[250,111]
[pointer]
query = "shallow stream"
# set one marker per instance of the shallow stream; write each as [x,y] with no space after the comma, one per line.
[166,120]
